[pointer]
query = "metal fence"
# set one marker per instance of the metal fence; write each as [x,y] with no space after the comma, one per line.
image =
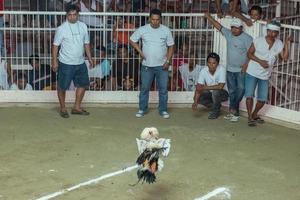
[31,33]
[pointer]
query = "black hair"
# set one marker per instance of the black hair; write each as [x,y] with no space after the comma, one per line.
[33,57]
[103,48]
[257,8]
[275,22]
[123,46]
[21,75]
[155,12]
[72,7]
[214,56]
[238,3]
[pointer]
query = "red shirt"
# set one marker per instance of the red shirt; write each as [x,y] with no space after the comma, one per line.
[1,6]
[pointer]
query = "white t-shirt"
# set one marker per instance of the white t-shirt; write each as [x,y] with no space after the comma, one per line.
[190,78]
[206,78]
[72,38]
[95,72]
[15,87]
[155,42]
[89,20]
[3,76]
[263,52]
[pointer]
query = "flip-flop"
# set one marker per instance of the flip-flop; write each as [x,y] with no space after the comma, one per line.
[259,120]
[64,114]
[77,112]
[251,123]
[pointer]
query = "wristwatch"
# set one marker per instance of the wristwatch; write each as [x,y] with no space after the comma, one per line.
[168,62]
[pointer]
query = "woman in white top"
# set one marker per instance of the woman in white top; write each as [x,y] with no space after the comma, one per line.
[263,54]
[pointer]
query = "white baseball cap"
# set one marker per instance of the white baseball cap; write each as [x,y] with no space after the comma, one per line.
[236,22]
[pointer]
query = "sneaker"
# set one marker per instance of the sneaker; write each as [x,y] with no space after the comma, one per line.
[234,118]
[213,115]
[228,116]
[140,114]
[165,115]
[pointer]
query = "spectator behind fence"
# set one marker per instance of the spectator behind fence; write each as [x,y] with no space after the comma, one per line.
[180,58]
[158,48]
[20,82]
[73,39]
[228,7]
[255,13]
[121,37]
[190,72]
[100,73]
[125,70]
[263,54]
[1,31]
[90,20]
[41,75]
[210,87]
[238,43]
[4,75]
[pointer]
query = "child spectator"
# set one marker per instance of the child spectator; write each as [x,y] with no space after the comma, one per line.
[255,13]
[100,73]
[189,73]
[41,75]
[125,70]
[121,37]
[180,58]
[20,82]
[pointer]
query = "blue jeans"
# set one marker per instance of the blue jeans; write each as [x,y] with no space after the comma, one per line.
[147,76]
[236,89]
[262,88]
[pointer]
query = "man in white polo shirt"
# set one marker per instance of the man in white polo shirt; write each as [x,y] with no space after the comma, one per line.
[158,48]
[73,39]
[210,87]
[263,54]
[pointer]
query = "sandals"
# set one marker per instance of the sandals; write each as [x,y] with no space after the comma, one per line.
[79,112]
[251,123]
[64,114]
[259,120]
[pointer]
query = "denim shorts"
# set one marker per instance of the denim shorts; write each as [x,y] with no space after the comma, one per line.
[76,73]
[262,88]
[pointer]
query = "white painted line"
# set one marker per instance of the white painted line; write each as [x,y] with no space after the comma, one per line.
[216,192]
[92,181]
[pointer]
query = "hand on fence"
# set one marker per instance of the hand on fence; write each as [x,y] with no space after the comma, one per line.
[289,39]
[249,22]
[220,15]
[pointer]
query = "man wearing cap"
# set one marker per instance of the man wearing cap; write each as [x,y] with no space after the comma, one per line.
[238,43]
[263,54]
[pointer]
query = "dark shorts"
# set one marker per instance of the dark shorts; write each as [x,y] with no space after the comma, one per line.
[76,73]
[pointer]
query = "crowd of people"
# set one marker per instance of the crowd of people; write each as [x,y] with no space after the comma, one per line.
[146,55]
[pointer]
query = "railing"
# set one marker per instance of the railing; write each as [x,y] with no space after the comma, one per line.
[31,33]
[28,33]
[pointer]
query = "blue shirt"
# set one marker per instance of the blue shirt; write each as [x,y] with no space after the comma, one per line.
[237,48]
